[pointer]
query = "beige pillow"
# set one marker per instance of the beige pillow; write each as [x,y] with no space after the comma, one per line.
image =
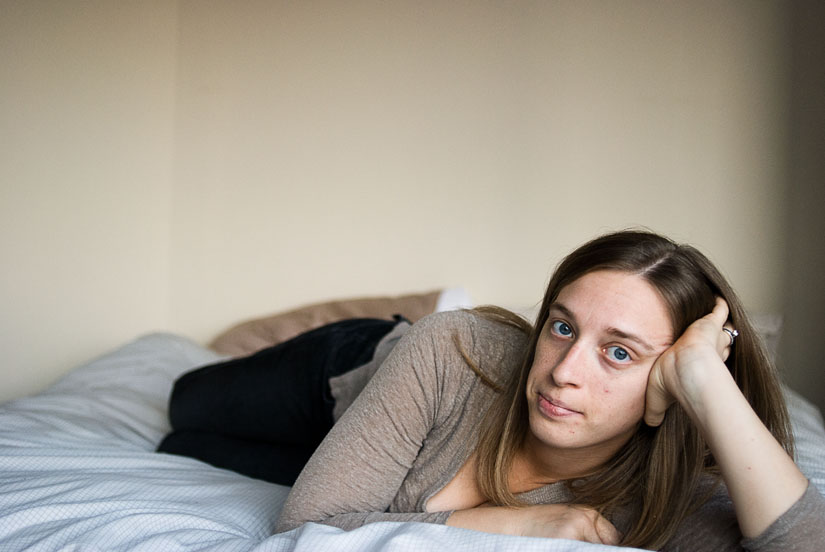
[254,335]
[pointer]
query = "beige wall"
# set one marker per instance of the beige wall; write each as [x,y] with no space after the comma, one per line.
[185,165]
[87,132]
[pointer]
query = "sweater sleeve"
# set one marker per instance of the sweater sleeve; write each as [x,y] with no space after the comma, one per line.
[357,470]
[802,527]
[713,528]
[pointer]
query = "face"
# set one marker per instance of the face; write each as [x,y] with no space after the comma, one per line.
[586,387]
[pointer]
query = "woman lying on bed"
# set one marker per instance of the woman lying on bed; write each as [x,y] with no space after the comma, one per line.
[632,414]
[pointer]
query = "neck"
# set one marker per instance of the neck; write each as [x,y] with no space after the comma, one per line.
[535,466]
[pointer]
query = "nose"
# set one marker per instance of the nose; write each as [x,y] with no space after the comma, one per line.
[570,368]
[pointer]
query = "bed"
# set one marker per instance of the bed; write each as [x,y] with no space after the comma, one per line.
[78,469]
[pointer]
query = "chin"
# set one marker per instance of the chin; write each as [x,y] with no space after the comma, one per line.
[555,434]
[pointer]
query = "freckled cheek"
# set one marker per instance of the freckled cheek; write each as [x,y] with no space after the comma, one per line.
[541,368]
[637,400]
[625,400]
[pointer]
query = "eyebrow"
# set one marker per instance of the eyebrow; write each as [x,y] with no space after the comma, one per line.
[612,331]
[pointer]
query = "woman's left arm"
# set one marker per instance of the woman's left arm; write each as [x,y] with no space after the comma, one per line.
[762,479]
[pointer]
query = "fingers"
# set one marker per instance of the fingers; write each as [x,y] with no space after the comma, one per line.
[720,311]
[654,416]
[729,334]
[657,400]
[607,532]
[595,528]
[719,315]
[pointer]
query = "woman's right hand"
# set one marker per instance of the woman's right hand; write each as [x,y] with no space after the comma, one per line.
[559,521]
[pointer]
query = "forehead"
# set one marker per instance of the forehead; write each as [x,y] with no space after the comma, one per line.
[611,299]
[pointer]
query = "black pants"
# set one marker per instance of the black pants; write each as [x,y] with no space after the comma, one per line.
[265,414]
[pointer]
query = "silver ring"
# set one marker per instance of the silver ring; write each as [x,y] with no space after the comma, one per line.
[732,334]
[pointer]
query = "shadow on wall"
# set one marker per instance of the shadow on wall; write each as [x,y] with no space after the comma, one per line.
[803,347]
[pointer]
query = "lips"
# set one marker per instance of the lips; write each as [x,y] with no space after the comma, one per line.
[555,408]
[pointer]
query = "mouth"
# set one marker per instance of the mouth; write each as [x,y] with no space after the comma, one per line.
[553,408]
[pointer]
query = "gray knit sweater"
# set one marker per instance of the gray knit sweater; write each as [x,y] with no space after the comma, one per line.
[415,424]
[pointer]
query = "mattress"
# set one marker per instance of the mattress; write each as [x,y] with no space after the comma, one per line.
[78,472]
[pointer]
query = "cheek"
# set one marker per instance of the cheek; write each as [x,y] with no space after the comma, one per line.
[627,397]
[537,373]
[543,362]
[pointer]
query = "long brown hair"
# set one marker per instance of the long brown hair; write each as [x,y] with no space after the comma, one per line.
[656,474]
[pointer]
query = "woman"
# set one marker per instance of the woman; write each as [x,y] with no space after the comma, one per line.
[628,416]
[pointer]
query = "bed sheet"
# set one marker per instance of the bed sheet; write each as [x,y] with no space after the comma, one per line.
[78,472]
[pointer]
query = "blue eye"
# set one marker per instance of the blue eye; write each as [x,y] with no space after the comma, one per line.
[561,328]
[618,354]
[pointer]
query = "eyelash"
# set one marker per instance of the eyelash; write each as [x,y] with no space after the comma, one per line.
[555,326]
